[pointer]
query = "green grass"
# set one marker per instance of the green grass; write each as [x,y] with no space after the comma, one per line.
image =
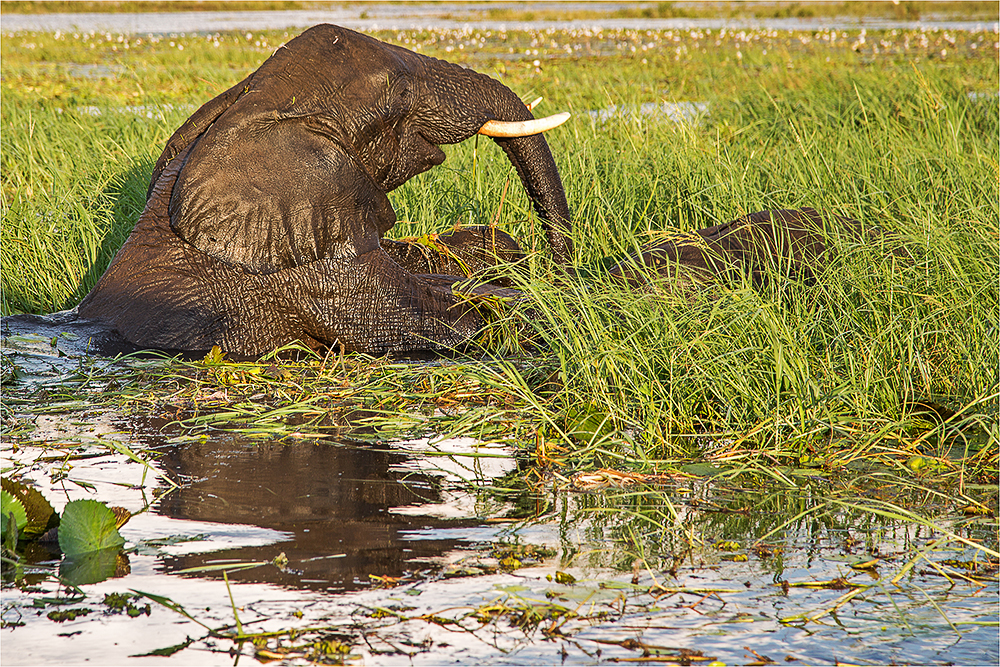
[909,11]
[890,356]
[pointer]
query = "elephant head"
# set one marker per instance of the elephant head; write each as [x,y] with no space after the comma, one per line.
[317,136]
[266,209]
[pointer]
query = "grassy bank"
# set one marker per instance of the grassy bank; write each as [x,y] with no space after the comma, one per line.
[890,360]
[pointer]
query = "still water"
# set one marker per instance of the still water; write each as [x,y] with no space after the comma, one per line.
[453,551]
[446,16]
[437,552]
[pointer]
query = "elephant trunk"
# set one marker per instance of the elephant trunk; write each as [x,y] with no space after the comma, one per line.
[490,100]
[537,169]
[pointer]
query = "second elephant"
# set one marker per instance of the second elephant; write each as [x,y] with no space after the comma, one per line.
[793,243]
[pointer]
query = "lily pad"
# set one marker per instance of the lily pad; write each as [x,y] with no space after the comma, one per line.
[13,510]
[88,525]
[38,512]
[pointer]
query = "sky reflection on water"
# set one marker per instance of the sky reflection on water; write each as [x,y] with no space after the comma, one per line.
[372,18]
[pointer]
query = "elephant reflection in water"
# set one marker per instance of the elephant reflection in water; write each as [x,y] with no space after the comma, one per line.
[332,500]
[266,212]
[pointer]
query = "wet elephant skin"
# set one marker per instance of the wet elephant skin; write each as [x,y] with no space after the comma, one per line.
[793,243]
[266,211]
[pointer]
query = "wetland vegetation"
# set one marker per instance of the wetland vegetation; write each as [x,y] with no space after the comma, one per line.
[837,441]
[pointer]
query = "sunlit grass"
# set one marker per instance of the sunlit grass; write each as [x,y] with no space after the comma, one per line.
[891,355]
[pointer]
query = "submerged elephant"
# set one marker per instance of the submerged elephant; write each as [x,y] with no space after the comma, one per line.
[265,213]
[792,243]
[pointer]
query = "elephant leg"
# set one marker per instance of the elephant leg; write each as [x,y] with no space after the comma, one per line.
[371,304]
[461,252]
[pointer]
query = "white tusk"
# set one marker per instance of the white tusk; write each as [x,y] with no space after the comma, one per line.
[534,103]
[524,128]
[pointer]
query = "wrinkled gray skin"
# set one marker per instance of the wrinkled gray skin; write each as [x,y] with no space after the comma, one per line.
[265,213]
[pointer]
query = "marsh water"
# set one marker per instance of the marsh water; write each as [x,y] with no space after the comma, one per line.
[449,15]
[439,552]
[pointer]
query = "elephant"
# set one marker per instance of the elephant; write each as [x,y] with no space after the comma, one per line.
[788,242]
[266,211]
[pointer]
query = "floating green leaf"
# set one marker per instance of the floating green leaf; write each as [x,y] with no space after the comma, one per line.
[39,513]
[14,519]
[68,614]
[88,525]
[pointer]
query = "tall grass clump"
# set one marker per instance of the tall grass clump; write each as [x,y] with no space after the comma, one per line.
[905,319]
[69,195]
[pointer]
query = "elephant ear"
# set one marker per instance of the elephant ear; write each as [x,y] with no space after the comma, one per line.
[270,195]
[195,126]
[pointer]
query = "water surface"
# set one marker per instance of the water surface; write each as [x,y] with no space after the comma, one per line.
[393,550]
[448,16]
[453,551]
